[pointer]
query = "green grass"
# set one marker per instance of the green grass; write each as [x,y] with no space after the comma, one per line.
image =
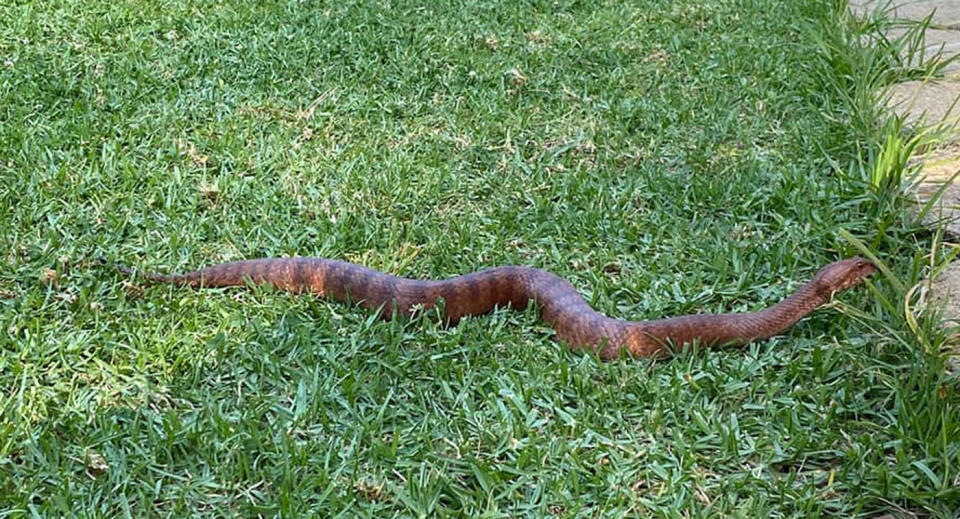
[666,157]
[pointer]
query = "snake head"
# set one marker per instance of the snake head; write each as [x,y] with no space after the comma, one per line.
[839,276]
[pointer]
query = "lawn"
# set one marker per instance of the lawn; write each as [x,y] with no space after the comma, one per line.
[666,157]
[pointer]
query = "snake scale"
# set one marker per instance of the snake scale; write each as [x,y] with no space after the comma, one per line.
[560,305]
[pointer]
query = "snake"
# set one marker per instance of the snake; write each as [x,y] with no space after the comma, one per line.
[559,304]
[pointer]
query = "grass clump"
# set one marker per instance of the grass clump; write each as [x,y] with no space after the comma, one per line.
[667,158]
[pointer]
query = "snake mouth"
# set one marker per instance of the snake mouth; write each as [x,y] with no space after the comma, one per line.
[861,270]
[866,267]
[844,274]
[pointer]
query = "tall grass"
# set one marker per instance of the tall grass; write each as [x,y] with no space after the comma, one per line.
[863,66]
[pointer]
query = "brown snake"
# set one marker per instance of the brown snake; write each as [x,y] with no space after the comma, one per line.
[560,305]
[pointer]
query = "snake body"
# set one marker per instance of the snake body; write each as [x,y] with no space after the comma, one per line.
[560,305]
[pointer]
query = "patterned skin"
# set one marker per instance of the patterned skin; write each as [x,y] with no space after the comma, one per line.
[561,306]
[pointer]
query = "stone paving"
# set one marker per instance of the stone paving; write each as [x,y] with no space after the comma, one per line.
[946,13]
[932,102]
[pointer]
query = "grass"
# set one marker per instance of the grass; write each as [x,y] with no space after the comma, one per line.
[666,157]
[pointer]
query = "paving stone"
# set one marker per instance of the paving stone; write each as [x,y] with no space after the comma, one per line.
[947,42]
[939,167]
[945,292]
[945,211]
[946,13]
[929,101]
[940,164]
